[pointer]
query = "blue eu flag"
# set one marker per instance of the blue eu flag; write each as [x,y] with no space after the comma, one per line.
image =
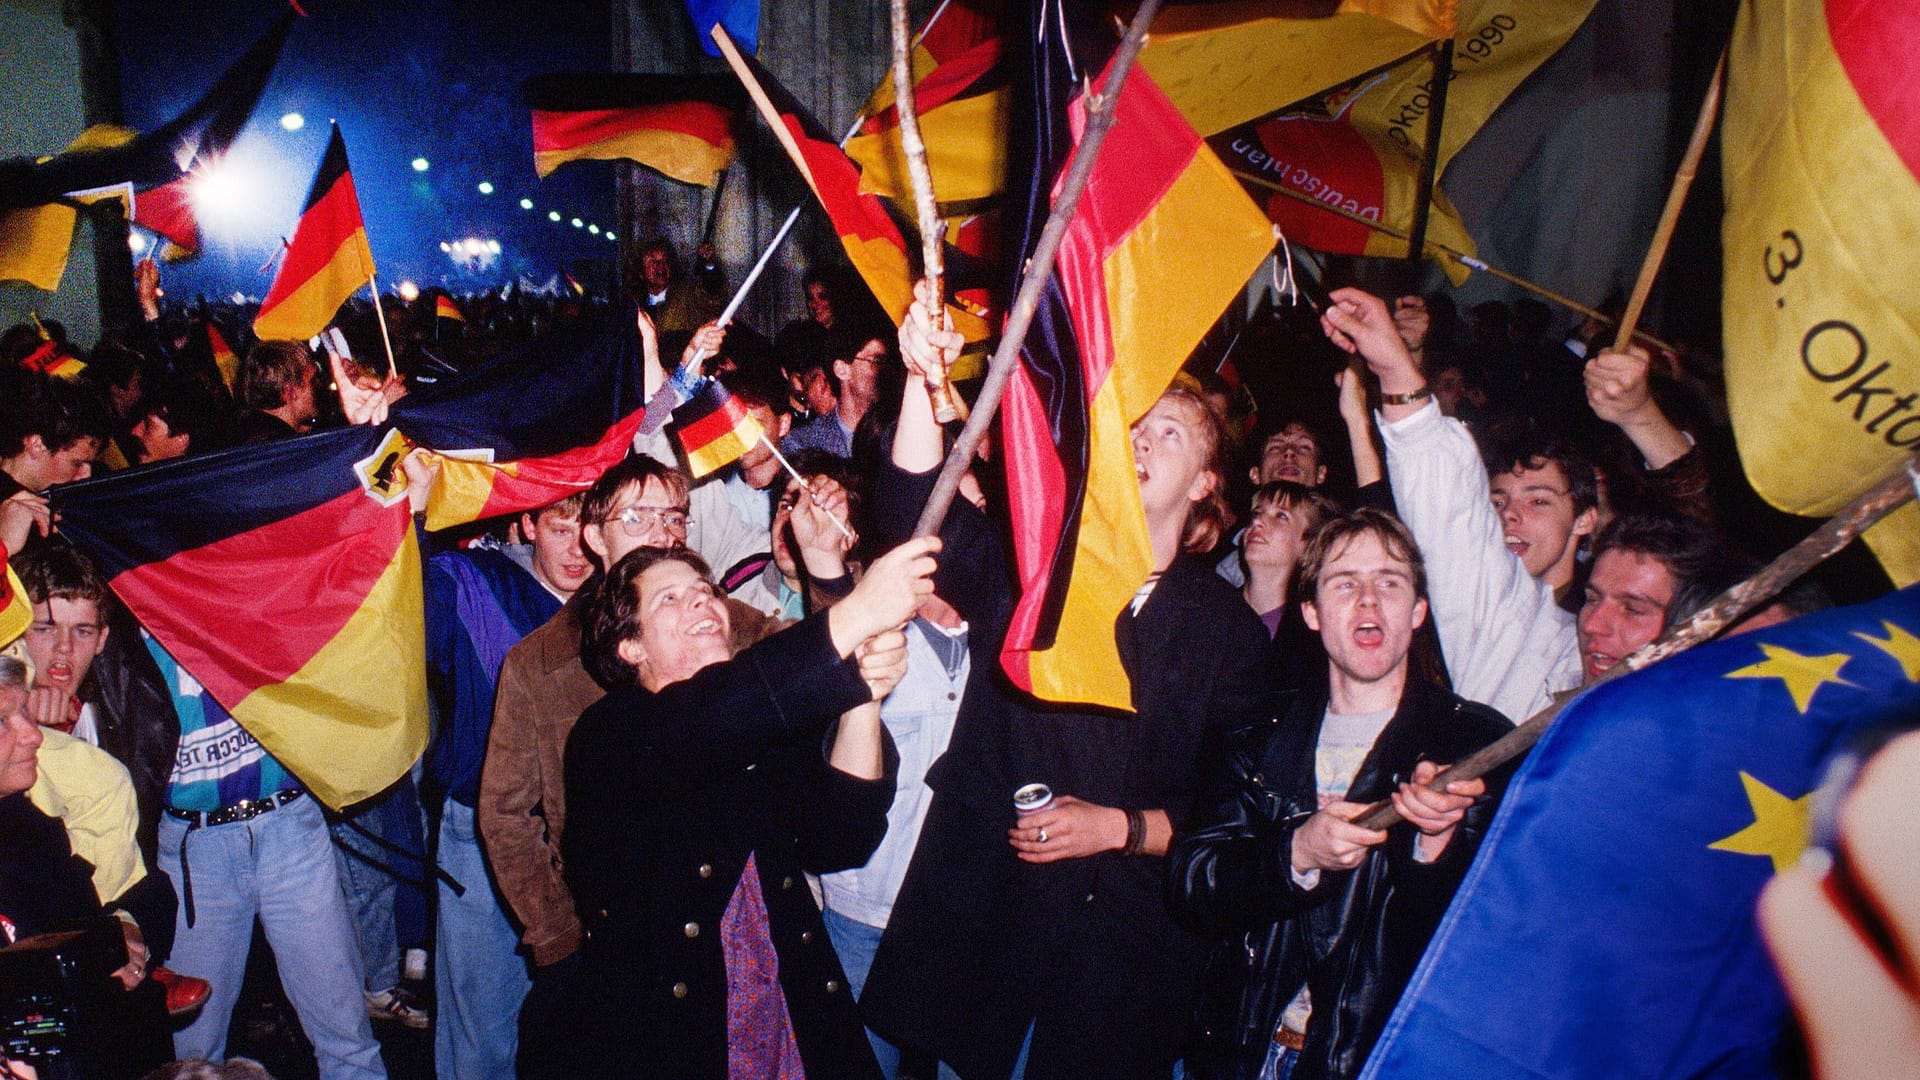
[1607,928]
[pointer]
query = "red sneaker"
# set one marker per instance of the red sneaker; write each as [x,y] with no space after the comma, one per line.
[185,994]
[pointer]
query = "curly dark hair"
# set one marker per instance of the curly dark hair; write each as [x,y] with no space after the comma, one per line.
[612,613]
[1531,448]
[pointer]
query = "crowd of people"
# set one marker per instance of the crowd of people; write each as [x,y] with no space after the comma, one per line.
[723,775]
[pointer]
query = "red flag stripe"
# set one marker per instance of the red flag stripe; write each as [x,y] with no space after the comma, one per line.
[534,482]
[943,84]
[1158,145]
[835,180]
[253,584]
[563,131]
[326,227]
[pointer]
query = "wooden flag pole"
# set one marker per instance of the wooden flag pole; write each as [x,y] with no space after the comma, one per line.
[786,227]
[393,368]
[933,228]
[1676,197]
[1100,116]
[1461,257]
[1839,531]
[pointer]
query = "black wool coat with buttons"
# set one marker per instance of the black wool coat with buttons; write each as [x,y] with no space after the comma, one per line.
[667,795]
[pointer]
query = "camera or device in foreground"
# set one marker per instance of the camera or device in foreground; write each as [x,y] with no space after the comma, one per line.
[51,986]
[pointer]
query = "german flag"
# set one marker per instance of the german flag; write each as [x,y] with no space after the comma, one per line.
[680,126]
[167,211]
[445,308]
[286,578]
[962,93]
[871,237]
[328,259]
[225,360]
[532,425]
[714,429]
[1132,294]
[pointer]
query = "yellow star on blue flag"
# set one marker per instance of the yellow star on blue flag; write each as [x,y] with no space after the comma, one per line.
[1900,644]
[1779,829]
[1802,674]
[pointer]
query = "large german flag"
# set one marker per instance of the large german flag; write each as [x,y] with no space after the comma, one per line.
[328,259]
[532,425]
[681,126]
[285,577]
[871,237]
[962,93]
[1162,240]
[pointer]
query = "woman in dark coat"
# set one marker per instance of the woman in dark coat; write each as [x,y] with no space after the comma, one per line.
[699,791]
[1050,937]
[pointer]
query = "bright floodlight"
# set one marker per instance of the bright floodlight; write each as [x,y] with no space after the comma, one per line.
[578,224]
[239,197]
[553,215]
[446,247]
[420,164]
[293,121]
[594,229]
[486,187]
[493,246]
[526,204]
[475,245]
[137,242]
[409,291]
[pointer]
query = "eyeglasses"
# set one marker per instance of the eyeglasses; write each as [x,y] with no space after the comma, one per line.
[637,521]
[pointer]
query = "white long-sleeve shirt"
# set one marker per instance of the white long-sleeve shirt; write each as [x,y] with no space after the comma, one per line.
[1507,644]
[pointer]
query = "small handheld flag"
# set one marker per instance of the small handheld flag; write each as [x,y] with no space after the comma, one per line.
[327,260]
[714,429]
[444,308]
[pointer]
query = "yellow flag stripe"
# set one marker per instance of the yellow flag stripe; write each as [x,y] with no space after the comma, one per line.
[354,718]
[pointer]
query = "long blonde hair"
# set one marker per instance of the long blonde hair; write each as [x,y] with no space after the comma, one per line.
[1208,516]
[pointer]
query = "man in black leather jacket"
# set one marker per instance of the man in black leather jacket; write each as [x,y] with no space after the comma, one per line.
[1324,921]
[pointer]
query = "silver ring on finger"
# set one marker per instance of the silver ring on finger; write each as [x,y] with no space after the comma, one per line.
[1043,834]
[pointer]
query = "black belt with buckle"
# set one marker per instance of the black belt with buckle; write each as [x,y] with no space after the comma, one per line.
[244,810]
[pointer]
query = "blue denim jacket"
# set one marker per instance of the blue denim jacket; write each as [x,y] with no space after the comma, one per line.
[919,714]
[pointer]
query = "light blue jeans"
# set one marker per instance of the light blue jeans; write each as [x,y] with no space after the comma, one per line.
[856,942]
[278,866]
[479,980]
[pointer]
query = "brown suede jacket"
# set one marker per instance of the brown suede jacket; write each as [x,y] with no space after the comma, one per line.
[523,803]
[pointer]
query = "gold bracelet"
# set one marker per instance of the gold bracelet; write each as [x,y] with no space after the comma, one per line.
[1420,393]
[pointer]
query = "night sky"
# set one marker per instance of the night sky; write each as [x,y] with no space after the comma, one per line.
[405,79]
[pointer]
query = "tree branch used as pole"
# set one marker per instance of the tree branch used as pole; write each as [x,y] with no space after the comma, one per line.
[1430,154]
[1100,116]
[1839,531]
[933,228]
[1676,198]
